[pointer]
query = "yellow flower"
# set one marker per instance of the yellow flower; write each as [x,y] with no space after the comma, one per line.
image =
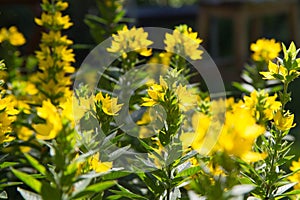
[276,72]
[55,37]
[238,135]
[5,127]
[162,58]
[261,105]
[186,97]
[195,139]
[8,104]
[12,35]
[54,20]
[82,105]
[98,166]
[156,94]
[53,124]
[296,176]
[284,122]
[183,42]
[159,64]
[265,49]
[67,110]
[24,133]
[109,105]
[146,118]
[134,39]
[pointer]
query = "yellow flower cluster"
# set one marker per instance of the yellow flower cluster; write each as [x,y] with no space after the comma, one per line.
[7,117]
[54,20]
[54,118]
[238,138]
[53,125]
[156,92]
[278,72]
[109,105]
[12,35]
[7,112]
[235,139]
[265,50]
[295,178]
[54,56]
[261,105]
[127,40]
[183,42]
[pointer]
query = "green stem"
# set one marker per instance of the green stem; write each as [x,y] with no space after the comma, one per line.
[276,145]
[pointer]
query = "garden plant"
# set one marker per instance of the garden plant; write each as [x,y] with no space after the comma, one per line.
[132,123]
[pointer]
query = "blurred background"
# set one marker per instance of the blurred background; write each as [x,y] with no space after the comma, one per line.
[228,27]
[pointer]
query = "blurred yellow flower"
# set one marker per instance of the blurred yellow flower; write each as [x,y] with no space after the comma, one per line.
[12,35]
[146,118]
[195,139]
[284,122]
[183,42]
[186,97]
[24,133]
[238,135]
[265,49]
[6,127]
[109,105]
[162,58]
[8,104]
[67,110]
[82,105]
[295,178]
[126,40]
[53,123]
[98,166]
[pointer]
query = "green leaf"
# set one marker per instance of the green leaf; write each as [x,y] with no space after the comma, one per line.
[294,192]
[80,186]
[4,185]
[243,87]
[187,157]
[114,197]
[28,180]
[114,155]
[284,51]
[36,164]
[96,188]
[27,195]
[126,193]
[7,164]
[284,188]
[113,175]
[94,18]
[151,184]
[188,172]
[160,175]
